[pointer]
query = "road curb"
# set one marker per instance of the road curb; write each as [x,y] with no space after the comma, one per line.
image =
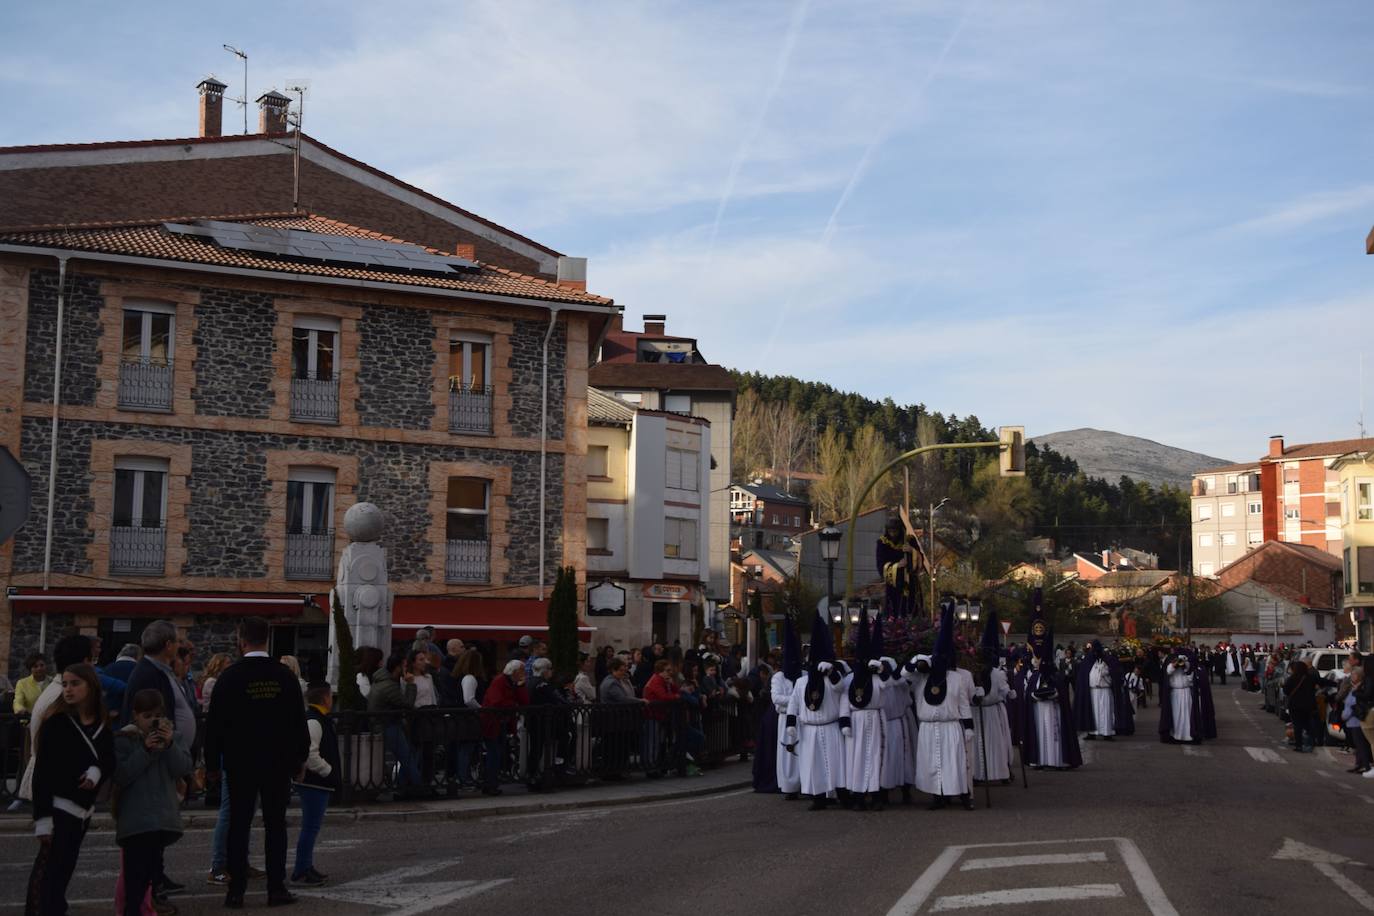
[203,819]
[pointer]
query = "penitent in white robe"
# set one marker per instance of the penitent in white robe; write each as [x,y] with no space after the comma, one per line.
[942,755]
[1103,700]
[864,746]
[915,683]
[899,748]
[820,748]
[1181,701]
[1048,722]
[781,688]
[991,728]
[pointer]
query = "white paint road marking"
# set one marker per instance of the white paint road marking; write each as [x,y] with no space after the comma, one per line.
[1323,774]
[1151,893]
[1023,895]
[1367,800]
[1328,863]
[1264,755]
[614,809]
[1048,858]
[1192,750]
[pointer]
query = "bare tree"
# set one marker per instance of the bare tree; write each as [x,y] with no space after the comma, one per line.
[828,493]
[868,454]
[749,437]
[786,433]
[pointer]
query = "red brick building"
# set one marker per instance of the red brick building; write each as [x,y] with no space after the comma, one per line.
[1301,494]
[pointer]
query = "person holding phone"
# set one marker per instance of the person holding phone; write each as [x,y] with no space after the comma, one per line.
[147,805]
[74,756]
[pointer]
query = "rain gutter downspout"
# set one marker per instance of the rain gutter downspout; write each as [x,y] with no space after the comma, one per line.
[544,443]
[52,452]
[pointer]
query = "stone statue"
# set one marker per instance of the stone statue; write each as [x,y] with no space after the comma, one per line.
[361,586]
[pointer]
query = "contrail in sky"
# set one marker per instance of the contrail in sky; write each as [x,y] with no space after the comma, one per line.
[780,66]
[861,167]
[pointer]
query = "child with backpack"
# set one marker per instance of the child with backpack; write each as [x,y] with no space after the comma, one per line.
[147,807]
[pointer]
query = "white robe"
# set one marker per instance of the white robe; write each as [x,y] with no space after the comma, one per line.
[915,683]
[942,752]
[991,728]
[788,778]
[820,748]
[1048,722]
[899,744]
[1103,701]
[1181,702]
[864,745]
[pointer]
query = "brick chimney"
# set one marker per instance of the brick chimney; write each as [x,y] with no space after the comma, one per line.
[211,106]
[466,251]
[1276,446]
[655,324]
[272,107]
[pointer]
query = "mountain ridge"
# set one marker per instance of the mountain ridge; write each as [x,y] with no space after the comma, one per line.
[1112,455]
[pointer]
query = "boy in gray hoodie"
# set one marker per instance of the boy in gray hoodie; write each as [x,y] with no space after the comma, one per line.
[147,809]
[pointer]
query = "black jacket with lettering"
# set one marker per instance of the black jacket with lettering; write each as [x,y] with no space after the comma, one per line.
[257,719]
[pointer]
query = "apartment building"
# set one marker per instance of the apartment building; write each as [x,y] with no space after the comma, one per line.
[229,385]
[1302,496]
[648,474]
[1227,514]
[767,518]
[1356,473]
[657,371]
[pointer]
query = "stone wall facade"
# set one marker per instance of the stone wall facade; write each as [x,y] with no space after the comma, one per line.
[234,354]
[227,511]
[80,333]
[24,639]
[527,355]
[395,368]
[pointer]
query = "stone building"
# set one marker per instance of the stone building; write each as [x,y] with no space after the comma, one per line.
[228,386]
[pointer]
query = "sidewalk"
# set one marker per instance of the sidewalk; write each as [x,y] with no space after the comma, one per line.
[516,800]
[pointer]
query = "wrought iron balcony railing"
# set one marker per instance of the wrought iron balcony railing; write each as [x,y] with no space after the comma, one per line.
[315,400]
[145,384]
[138,550]
[468,560]
[310,554]
[469,409]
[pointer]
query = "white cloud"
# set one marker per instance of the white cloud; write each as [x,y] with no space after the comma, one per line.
[1312,208]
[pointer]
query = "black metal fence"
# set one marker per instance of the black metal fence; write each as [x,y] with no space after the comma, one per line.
[441,752]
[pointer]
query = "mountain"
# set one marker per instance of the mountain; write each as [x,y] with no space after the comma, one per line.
[1109,455]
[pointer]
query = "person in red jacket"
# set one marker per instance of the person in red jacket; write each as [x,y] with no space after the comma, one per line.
[660,690]
[507,691]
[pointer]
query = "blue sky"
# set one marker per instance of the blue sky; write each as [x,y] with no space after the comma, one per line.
[1145,218]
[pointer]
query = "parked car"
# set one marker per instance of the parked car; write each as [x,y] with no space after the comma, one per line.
[1325,662]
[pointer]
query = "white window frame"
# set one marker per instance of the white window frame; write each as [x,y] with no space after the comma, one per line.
[1254,507]
[1292,514]
[1228,539]
[1228,510]
[671,399]
[485,511]
[604,451]
[312,477]
[1205,569]
[141,467]
[147,308]
[317,325]
[1204,539]
[467,339]
[1204,512]
[675,546]
[682,469]
[631,397]
[1364,511]
[1254,537]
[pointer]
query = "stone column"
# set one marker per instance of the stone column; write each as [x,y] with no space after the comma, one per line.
[362,585]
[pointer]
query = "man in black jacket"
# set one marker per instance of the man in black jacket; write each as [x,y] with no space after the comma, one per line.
[257,727]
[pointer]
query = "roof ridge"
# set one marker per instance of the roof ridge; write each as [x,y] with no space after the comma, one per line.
[148,221]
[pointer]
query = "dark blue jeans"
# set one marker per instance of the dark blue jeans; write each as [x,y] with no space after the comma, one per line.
[314,802]
[395,739]
[493,749]
[462,770]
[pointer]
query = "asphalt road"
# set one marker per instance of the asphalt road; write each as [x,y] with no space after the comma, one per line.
[1142,828]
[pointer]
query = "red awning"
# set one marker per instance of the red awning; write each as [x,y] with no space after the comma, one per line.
[154,603]
[482,618]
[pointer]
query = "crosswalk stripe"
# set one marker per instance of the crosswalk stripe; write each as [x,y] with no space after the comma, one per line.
[1264,755]
[1023,895]
[1193,751]
[1049,858]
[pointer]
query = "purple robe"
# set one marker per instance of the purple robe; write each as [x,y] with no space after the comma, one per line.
[1068,738]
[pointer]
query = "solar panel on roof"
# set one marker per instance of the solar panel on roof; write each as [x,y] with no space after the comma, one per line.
[300,245]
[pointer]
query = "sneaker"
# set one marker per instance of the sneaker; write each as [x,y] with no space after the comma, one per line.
[218,878]
[256,874]
[318,874]
[168,886]
[1368,774]
[280,898]
[308,879]
[694,770]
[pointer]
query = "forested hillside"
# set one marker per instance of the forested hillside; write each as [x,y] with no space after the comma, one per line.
[787,425]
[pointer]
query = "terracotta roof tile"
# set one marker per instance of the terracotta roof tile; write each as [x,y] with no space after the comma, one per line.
[683,376]
[153,240]
[1324,449]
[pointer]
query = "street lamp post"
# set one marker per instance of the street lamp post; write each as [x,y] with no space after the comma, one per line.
[830,552]
[930,548]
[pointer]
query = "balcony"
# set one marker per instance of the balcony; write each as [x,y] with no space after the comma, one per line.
[315,400]
[137,550]
[310,555]
[468,561]
[145,384]
[469,410]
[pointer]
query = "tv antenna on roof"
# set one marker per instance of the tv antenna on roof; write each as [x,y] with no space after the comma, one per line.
[300,87]
[243,99]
